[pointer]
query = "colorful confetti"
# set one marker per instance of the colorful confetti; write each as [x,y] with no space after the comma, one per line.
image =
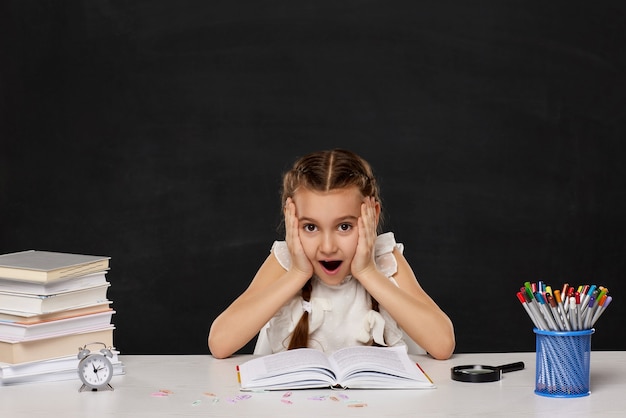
[238,398]
[285,399]
[162,393]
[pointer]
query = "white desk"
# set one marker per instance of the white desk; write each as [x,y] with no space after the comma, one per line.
[190,377]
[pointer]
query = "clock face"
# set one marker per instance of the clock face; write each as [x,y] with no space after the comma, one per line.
[95,371]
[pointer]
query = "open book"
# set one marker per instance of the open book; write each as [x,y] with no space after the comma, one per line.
[360,367]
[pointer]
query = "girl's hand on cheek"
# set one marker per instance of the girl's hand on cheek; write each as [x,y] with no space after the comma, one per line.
[363,260]
[299,261]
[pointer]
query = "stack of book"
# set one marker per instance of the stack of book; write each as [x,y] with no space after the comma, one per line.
[51,304]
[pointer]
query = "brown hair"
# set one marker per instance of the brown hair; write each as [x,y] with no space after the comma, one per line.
[324,171]
[329,170]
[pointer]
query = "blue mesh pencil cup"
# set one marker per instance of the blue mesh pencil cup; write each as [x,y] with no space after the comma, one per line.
[562,363]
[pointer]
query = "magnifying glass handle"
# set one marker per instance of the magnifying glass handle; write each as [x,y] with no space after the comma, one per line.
[511,367]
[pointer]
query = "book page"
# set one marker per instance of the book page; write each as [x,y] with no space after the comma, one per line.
[367,357]
[291,360]
[299,368]
[377,367]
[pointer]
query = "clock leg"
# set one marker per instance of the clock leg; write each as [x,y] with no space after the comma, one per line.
[84,387]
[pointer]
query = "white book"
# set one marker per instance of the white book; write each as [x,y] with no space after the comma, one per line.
[118,369]
[27,318]
[15,332]
[53,347]
[49,303]
[60,286]
[48,266]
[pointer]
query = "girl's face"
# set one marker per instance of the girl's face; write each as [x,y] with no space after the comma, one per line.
[328,229]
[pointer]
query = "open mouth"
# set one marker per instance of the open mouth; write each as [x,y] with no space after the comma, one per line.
[331,265]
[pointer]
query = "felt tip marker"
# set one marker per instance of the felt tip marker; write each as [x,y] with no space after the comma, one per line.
[562,310]
[601,309]
[522,300]
[588,294]
[573,316]
[587,316]
[529,289]
[546,311]
[570,294]
[555,312]
[578,318]
[534,307]
[564,297]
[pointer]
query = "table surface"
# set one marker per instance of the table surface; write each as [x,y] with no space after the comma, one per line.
[200,385]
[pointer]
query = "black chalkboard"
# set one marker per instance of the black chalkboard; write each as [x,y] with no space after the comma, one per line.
[155,132]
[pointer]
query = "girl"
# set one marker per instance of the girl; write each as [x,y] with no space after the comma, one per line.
[333,282]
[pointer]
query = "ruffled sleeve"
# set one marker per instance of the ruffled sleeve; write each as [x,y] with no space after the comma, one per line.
[383,253]
[281,252]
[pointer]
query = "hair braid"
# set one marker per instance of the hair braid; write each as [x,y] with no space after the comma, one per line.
[300,336]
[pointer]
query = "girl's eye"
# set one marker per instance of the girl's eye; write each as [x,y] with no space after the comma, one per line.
[345,227]
[310,228]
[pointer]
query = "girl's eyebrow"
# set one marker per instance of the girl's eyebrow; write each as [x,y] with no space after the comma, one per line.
[338,220]
[348,218]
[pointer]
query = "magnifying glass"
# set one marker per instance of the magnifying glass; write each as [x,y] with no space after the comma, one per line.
[476,373]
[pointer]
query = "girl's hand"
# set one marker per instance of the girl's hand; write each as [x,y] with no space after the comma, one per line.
[363,260]
[299,261]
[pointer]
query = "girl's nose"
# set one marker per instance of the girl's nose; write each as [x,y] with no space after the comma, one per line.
[328,246]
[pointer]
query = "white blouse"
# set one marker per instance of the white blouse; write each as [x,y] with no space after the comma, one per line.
[339,316]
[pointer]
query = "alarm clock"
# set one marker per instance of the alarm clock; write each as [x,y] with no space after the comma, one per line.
[95,369]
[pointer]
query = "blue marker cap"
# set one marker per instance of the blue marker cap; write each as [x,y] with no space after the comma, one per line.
[539,298]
